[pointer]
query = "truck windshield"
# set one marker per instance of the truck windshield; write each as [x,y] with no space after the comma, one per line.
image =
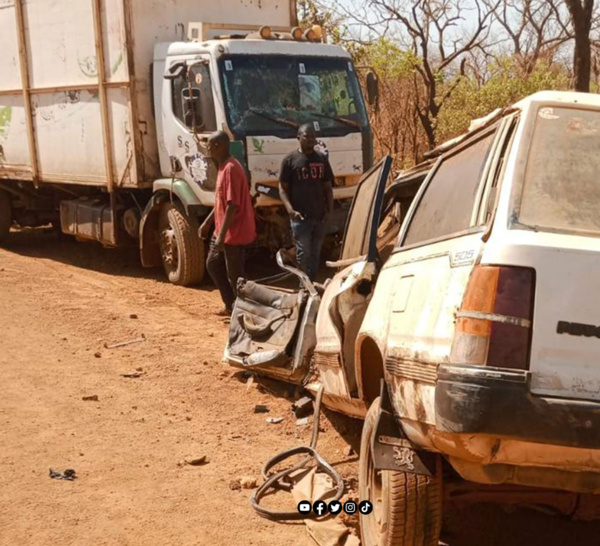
[561,186]
[275,94]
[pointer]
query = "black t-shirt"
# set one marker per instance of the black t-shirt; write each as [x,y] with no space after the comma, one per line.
[305,177]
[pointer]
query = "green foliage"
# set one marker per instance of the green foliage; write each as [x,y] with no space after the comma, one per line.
[506,85]
[386,58]
[312,12]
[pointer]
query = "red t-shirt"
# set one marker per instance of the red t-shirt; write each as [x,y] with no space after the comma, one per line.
[233,187]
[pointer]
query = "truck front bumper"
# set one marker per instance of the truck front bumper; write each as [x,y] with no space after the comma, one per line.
[498,402]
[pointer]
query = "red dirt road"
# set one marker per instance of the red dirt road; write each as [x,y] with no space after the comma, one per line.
[60,302]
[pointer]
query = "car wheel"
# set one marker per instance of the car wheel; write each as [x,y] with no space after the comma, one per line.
[407,508]
[181,250]
[5,215]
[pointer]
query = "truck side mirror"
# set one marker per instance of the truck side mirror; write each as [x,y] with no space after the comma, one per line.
[175,71]
[190,98]
[372,88]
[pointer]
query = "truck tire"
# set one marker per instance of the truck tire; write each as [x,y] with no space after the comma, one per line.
[181,250]
[407,508]
[5,215]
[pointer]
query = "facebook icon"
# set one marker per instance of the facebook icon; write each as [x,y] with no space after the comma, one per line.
[320,508]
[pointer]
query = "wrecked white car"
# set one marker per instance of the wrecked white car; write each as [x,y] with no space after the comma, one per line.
[468,325]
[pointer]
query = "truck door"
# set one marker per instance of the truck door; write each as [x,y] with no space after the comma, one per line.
[188,111]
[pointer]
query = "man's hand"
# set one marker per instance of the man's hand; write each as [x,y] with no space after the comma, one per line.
[219,245]
[204,230]
[296,216]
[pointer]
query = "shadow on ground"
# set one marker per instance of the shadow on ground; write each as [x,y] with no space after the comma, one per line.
[45,243]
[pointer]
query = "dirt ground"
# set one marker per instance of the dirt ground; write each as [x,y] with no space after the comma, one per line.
[60,303]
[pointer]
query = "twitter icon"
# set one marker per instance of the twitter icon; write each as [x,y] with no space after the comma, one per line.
[335,507]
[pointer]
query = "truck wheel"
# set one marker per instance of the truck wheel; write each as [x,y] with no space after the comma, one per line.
[181,250]
[5,215]
[407,508]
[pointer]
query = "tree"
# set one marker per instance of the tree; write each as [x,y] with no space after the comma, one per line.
[533,29]
[429,28]
[581,12]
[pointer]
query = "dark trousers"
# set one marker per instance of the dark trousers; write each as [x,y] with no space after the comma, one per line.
[309,235]
[224,268]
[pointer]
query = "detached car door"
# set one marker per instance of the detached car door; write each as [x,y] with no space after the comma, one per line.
[346,296]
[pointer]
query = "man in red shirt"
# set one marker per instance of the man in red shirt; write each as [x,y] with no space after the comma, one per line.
[233,218]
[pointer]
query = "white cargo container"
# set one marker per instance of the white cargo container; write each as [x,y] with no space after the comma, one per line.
[75,89]
[95,126]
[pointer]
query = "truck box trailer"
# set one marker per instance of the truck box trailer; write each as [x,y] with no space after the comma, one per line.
[95,105]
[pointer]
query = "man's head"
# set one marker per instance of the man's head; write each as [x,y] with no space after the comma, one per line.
[218,146]
[307,136]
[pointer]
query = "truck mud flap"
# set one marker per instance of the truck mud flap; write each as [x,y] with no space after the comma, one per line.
[391,449]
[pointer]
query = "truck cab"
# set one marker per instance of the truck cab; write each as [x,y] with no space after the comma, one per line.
[259,87]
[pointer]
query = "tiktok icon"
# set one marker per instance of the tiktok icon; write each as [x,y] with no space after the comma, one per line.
[365,507]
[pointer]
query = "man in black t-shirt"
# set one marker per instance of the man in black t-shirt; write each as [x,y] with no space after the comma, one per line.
[306,190]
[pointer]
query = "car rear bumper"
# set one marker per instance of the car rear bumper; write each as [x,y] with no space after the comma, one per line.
[493,401]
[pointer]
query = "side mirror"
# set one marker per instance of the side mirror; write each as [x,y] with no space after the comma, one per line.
[372,88]
[175,71]
[175,165]
[190,99]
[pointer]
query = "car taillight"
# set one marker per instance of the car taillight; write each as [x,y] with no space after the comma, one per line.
[493,325]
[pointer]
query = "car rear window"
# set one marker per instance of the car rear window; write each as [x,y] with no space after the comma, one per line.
[561,186]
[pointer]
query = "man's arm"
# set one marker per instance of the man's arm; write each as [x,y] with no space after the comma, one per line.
[285,175]
[206,225]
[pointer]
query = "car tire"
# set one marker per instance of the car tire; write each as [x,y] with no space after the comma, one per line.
[5,215]
[181,250]
[407,508]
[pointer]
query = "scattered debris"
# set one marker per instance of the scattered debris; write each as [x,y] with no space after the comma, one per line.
[250,383]
[69,474]
[274,420]
[303,407]
[234,485]
[261,408]
[133,316]
[91,398]
[98,354]
[199,461]
[302,422]
[247,482]
[133,375]
[124,343]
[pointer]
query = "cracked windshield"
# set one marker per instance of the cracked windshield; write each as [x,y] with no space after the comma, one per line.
[300,90]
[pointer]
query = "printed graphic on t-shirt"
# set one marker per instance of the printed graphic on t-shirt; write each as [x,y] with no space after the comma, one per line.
[315,171]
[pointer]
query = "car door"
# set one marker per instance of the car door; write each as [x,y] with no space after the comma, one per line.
[346,296]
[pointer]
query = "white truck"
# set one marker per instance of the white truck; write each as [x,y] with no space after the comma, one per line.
[106,107]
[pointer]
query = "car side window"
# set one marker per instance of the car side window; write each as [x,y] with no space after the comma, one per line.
[447,204]
[195,107]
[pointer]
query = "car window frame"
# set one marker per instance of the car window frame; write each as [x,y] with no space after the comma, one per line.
[474,225]
[385,164]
